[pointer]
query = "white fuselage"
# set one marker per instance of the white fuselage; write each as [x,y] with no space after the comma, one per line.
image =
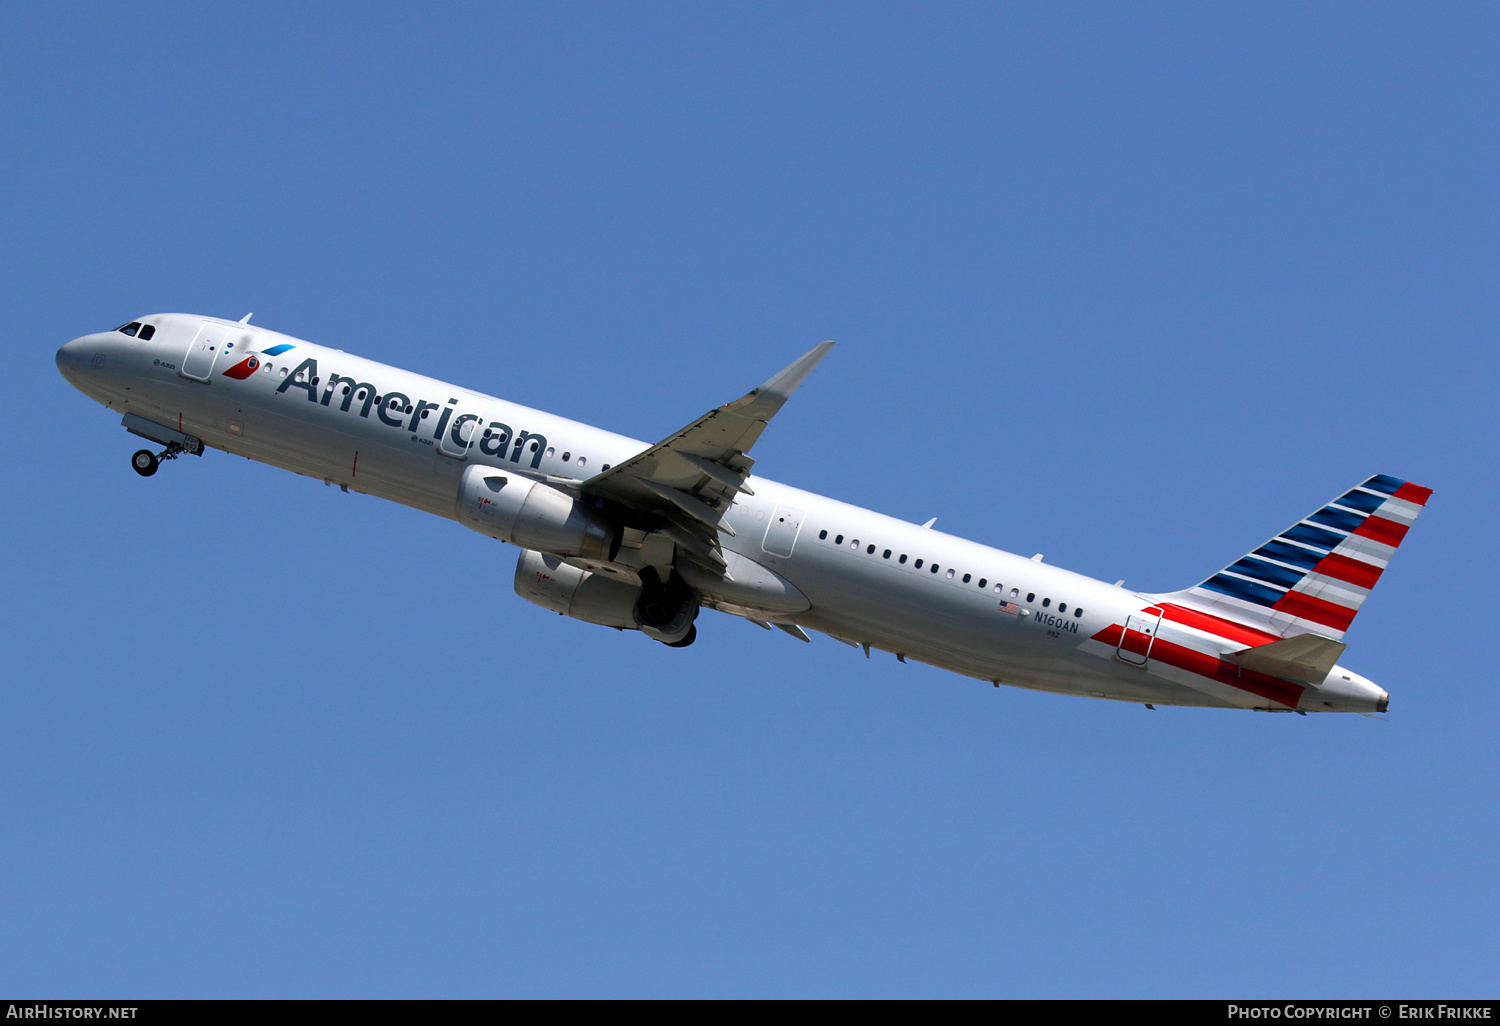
[868,579]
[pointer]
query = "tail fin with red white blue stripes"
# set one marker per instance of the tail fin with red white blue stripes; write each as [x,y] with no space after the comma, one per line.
[1313,577]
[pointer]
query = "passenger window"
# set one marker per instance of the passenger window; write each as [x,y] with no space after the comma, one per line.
[902,559]
[934,568]
[604,468]
[822,536]
[887,554]
[967,577]
[854,543]
[982,583]
[1062,607]
[1078,612]
[567,456]
[583,461]
[131,328]
[839,540]
[1014,592]
[870,551]
[551,451]
[1031,596]
[147,331]
[917,564]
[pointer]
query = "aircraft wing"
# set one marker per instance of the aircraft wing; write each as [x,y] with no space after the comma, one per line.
[691,478]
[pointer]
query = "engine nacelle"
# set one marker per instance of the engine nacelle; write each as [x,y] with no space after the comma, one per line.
[533,515]
[563,588]
[661,610]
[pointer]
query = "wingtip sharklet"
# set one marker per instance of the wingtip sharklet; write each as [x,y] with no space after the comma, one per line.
[772,395]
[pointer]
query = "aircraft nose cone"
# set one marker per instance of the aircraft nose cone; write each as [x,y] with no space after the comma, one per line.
[71,358]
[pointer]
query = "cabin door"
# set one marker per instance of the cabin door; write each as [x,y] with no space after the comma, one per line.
[212,340]
[460,437]
[1139,636]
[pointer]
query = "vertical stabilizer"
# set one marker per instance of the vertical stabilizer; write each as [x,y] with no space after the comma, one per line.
[1313,577]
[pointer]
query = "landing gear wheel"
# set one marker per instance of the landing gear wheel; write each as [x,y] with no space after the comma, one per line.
[144,462]
[686,640]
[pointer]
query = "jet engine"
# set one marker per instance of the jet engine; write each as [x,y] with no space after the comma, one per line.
[533,515]
[664,611]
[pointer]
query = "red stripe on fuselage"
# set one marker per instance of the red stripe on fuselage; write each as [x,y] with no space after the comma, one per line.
[1354,571]
[1227,629]
[1315,609]
[1211,666]
[1206,664]
[1387,532]
[1110,635]
[1414,493]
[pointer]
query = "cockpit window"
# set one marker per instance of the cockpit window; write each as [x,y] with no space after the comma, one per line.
[146,332]
[131,328]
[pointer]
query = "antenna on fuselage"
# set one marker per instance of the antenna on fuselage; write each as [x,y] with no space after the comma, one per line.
[929,523]
[246,319]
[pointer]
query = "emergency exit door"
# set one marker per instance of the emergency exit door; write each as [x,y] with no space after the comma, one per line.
[781,532]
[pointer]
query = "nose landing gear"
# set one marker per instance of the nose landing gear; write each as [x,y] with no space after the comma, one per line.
[145,462]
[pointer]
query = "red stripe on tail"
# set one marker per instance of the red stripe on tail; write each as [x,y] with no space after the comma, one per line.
[1414,493]
[1315,609]
[1217,625]
[1387,532]
[1354,571]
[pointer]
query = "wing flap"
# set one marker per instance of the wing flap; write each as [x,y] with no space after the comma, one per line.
[690,479]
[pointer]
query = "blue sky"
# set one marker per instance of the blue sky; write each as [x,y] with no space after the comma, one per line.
[1131,285]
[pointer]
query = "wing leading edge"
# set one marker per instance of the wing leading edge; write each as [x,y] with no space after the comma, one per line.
[691,478]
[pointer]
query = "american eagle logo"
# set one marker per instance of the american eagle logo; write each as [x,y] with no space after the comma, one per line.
[250,364]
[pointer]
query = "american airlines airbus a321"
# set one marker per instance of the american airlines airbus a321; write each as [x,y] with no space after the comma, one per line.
[641,537]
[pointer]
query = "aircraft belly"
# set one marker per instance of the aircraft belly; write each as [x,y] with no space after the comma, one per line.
[900,612]
[963,631]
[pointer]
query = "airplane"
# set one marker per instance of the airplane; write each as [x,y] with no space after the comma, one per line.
[640,537]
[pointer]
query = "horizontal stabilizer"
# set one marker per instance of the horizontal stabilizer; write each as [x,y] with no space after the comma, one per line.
[1305,657]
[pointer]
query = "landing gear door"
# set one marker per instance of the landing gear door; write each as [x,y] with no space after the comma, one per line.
[781,533]
[1138,637]
[212,340]
[460,438]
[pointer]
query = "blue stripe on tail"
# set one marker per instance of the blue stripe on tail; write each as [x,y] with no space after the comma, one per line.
[1293,554]
[1384,483]
[1362,501]
[1337,518]
[1310,535]
[1271,573]
[1241,588]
